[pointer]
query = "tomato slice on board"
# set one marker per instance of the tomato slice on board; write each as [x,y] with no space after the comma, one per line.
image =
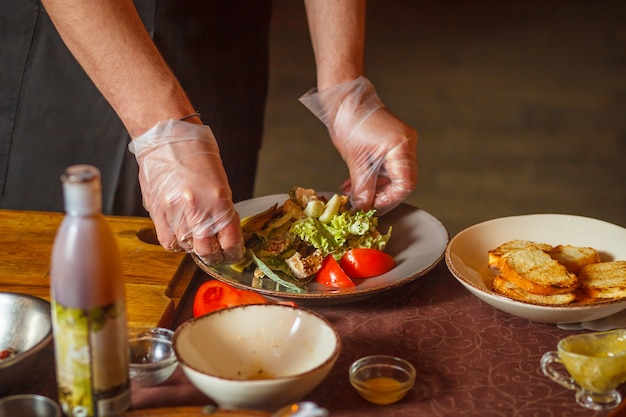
[331,274]
[366,263]
[215,295]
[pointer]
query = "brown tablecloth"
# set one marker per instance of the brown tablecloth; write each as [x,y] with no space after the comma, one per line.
[471,359]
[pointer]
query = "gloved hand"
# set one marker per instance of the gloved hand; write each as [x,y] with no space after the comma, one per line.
[379,149]
[186,191]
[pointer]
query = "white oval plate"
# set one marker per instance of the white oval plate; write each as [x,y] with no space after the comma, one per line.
[417,244]
[466,258]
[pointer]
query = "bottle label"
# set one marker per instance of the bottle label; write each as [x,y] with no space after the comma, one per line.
[92,355]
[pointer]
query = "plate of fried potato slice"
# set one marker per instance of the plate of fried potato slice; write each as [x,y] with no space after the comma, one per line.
[549,268]
[417,245]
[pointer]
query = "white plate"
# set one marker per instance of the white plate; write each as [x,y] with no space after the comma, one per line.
[417,244]
[466,258]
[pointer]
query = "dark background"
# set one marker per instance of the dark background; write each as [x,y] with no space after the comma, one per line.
[520,107]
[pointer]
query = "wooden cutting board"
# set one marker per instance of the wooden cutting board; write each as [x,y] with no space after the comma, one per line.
[155,279]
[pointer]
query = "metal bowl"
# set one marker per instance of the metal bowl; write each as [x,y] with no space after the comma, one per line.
[25,329]
[28,405]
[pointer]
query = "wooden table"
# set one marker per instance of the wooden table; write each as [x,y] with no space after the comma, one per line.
[471,360]
[152,274]
[155,281]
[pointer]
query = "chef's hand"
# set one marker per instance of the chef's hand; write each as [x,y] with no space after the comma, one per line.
[379,149]
[186,191]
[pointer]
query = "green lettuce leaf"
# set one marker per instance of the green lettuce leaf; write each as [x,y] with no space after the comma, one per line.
[345,230]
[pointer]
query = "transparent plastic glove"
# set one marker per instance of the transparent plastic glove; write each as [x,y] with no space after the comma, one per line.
[379,149]
[186,191]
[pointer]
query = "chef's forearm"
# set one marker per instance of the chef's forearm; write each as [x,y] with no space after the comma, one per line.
[337,33]
[110,42]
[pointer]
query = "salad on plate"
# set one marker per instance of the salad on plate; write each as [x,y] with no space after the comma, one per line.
[312,237]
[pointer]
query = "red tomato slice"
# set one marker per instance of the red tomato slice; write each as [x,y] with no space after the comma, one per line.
[366,263]
[215,295]
[331,274]
[251,297]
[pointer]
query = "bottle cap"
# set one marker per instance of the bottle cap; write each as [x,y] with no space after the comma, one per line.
[82,190]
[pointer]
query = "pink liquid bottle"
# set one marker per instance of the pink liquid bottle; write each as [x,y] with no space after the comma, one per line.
[88,304]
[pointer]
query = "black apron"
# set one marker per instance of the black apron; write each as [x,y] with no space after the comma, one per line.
[52,116]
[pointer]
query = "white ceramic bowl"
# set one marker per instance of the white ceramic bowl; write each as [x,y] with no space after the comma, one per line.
[466,258]
[257,357]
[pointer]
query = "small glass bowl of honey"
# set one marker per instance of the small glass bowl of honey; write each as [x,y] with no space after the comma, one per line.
[382,379]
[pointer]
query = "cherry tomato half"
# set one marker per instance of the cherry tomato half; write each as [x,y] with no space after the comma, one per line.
[331,274]
[215,295]
[366,263]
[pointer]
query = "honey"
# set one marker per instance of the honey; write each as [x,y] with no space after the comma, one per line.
[382,390]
